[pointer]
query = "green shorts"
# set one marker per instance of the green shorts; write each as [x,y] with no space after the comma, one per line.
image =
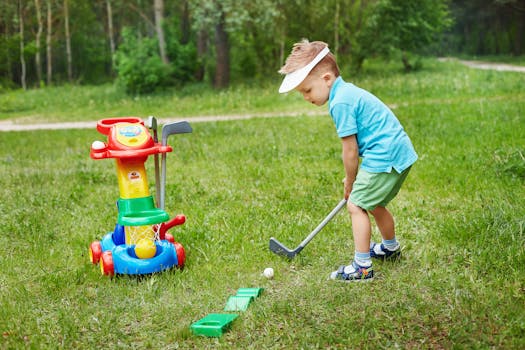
[371,190]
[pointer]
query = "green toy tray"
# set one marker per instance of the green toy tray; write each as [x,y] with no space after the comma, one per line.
[213,325]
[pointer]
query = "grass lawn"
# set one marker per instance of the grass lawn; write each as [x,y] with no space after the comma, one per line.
[460,219]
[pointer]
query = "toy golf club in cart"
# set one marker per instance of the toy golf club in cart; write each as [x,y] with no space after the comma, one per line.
[140,243]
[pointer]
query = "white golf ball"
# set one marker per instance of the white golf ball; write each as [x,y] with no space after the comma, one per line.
[98,145]
[268,272]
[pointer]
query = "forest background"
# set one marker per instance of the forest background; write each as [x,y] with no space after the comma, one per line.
[146,45]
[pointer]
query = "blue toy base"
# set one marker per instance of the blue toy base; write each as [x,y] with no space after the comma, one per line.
[126,262]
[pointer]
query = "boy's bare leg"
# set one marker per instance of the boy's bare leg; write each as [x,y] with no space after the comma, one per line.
[361,227]
[361,266]
[385,222]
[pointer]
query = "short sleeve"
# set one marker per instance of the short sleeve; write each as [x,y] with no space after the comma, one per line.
[344,119]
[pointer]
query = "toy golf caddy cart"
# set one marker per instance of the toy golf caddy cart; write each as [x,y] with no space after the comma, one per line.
[139,243]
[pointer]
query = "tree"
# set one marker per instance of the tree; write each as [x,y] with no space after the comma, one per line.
[222,48]
[38,56]
[22,58]
[139,66]
[245,28]
[49,54]
[111,37]
[68,42]
[404,26]
[210,18]
[487,27]
[224,41]
[159,19]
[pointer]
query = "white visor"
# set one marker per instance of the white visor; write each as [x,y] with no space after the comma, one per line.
[293,79]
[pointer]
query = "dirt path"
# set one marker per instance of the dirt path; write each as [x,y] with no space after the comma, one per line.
[9,125]
[495,66]
[502,67]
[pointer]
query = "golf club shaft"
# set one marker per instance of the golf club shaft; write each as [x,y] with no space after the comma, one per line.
[278,248]
[157,173]
[182,127]
[323,223]
[152,124]
[162,196]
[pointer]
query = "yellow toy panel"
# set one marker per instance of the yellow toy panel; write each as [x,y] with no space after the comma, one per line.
[131,135]
[132,179]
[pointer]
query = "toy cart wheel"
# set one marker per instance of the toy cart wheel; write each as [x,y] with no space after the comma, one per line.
[169,237]
[181,254]
[106,264]
[95,251]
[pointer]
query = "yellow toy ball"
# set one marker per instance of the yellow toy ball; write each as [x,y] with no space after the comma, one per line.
[145,249]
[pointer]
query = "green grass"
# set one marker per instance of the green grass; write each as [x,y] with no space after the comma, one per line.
[84,103]
[438,83]
[460,217]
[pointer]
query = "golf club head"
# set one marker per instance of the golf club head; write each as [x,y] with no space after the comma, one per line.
[279,249]
[175,128]
[151,123]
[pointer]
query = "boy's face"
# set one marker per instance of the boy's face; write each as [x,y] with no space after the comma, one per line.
[316,87]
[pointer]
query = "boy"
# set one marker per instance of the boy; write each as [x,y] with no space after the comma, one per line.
[368,129]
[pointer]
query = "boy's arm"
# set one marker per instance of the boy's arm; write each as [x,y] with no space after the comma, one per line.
[350,162]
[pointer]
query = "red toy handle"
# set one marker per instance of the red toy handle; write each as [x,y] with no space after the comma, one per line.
[108,153]
[104,125]
[165,226]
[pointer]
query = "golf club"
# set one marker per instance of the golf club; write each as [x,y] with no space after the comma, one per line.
[169,129]
[278,248]
[151,123]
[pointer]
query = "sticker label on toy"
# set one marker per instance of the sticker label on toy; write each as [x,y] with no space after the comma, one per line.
[134,176]
[132,135]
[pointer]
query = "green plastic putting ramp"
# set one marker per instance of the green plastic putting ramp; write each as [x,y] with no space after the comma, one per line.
[213,325]
[249,292]
[238,303]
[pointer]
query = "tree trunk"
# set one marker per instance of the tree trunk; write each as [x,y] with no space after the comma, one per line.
[22,59]
[159,19]
[110,33]
[38,57]
[145,17]
[520,29]
[8,58]
[185,25]
[281,50]
[49,56]
[222,70]
[202,48]
[406,62]
[68,42]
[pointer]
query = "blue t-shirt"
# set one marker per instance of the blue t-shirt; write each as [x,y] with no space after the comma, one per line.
[383,143]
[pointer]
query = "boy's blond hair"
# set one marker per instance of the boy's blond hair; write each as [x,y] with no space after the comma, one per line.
[304,52]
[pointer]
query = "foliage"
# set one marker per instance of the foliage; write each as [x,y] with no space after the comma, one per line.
[139,66]
[92,57]
[253,30]
[486,28]
[259,34]
[183,56]
[402,26]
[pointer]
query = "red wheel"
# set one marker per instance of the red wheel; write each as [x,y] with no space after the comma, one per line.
[95,251]
[106,264]
[181,254]
[169,238]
